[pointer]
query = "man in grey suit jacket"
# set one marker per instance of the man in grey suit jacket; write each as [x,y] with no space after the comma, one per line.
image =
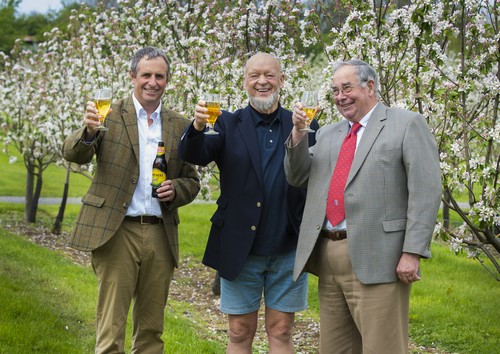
[132,236]
[366,262]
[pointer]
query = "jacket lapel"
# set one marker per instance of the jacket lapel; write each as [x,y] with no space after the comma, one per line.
[373,128]
[129,117]
[246,129]
[166,131]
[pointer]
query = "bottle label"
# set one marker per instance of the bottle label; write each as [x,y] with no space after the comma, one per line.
[160,150]
[158,177]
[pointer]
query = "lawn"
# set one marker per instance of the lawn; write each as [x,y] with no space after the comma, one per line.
[454,308]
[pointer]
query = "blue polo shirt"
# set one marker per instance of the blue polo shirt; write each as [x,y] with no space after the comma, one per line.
[271,238]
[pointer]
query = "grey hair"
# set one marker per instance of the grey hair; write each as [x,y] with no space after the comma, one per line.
[364,72]
[148,53]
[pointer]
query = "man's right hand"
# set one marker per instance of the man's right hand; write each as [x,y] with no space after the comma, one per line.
[91,120]
[299,120]
[201,116]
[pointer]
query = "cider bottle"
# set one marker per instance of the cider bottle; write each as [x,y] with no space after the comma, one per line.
[159,169]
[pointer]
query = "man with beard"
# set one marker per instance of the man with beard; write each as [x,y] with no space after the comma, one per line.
[254,230]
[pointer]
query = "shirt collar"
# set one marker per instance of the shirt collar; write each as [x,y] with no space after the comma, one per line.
[141,112]
[262,118]
[365,119]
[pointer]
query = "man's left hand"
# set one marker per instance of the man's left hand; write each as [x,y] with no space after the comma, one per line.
[166,192]
[408,267]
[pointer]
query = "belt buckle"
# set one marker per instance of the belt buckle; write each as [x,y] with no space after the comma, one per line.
[142,222]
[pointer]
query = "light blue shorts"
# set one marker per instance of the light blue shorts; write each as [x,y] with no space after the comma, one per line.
[271,275]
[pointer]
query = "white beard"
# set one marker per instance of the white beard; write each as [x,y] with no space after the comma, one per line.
[264,104]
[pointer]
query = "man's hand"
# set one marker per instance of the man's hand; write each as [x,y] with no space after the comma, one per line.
[91,120]
[408,267]
[201,115]
[166,192]
[299,120]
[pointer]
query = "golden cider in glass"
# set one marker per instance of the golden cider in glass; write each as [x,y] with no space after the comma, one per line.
[102,100]
[213,112]
[310,112]
[103,108]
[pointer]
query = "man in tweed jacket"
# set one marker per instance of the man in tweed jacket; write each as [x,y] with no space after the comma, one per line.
[132,236]
[366,262]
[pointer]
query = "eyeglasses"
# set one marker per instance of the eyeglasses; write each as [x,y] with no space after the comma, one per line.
[347,89]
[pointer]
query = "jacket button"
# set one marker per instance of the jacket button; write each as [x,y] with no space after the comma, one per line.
[253,228]
[125,205]
[134,180]
[259,204]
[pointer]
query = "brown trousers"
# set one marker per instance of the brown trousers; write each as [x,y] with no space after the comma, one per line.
[356,318]
[135,265]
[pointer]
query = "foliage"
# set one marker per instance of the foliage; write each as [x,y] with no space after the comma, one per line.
[29,29]
[454,84]
[45,91]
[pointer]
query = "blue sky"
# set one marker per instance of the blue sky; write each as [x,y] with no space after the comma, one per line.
[41,6]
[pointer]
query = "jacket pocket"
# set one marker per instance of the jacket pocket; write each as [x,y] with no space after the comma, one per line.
[93,200]
[394,225]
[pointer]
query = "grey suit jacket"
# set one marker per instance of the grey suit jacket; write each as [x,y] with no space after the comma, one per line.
[392,194]
[117,173]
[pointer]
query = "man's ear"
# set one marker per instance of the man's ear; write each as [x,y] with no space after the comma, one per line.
[371,86]
[282,80]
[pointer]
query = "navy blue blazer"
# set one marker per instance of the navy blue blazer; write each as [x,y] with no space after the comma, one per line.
[236,220]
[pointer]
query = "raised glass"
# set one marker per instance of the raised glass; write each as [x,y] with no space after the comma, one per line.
[310,106]
[102,100]
[212,101]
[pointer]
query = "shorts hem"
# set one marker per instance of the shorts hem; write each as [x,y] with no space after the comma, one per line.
[280,309]
[238,311]
[289,309]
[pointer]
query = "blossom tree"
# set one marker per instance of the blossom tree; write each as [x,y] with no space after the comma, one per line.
[453,83]
[440,58]
[207,42]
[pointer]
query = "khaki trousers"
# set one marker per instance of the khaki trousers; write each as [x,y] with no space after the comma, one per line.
[358,318]
[135,265]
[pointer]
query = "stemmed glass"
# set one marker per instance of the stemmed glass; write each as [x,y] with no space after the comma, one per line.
[213,104]
[310,105]
[102,100]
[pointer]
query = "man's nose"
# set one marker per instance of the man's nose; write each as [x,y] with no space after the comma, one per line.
[262,79]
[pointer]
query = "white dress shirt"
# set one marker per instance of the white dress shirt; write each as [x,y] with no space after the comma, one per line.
[142,202]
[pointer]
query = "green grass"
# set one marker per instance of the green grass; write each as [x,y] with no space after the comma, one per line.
[13,177]
[48,302]
[454,307]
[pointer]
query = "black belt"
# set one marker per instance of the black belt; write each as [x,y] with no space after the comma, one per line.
[145,219]
[334,235]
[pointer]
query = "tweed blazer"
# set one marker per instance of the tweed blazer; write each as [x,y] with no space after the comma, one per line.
[117,173]
[392,193]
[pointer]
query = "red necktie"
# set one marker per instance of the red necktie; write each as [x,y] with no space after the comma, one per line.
[335,211]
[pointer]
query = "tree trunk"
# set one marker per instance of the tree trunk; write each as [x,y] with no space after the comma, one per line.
[28,197]
[36,198]
[56,228]
[446,211]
